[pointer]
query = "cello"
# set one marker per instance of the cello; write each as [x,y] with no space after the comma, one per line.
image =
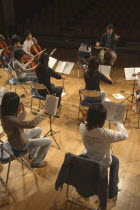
[35,48]
[4,46]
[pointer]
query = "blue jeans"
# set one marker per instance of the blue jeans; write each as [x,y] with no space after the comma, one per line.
[37,146]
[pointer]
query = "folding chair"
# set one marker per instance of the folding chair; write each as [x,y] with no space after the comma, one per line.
[88,97]
[13,80]
[93,181]
[82,62]
[7,155]
[116,112]
[36,95]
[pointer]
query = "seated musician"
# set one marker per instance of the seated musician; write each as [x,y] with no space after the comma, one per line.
[92,78]
[97,141]
[44,74]
[23,74]
[28,43]
[137,108]
[15,44]
[109,42]
[13,123]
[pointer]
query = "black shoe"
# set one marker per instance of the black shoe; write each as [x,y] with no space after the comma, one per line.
[113,193]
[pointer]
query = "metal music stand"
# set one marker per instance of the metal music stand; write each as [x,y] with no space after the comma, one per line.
[51,132]
[132,94]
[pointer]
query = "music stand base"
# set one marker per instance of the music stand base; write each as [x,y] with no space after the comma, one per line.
[51,133]
[131,101]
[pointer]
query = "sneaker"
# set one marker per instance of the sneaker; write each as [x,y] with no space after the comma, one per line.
[40,165]
[134,108]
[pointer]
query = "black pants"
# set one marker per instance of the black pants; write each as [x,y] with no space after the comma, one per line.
[113,177]
[58,92]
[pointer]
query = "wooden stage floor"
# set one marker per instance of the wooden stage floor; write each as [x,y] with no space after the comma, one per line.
[24,187]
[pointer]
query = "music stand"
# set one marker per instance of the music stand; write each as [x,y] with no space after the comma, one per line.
[51,107]
[51,132]
[128,76]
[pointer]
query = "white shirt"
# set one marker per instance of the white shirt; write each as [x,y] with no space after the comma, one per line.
[97,141]
[27,45]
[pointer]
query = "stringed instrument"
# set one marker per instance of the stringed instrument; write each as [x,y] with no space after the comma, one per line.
[4,46]
[35,48]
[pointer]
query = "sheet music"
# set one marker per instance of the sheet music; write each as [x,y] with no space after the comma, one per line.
[130,71]
[64,67]
[51,104]
[112,111]
[68,67]
[60,67]
[52,62]
[118,96]
[84,47]
[105,69]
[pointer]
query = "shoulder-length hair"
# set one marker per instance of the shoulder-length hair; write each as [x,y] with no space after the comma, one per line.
[10,103]
[18,54]
[96,116]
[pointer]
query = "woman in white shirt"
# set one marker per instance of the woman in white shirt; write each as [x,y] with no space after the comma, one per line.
[97,141]
[24,74]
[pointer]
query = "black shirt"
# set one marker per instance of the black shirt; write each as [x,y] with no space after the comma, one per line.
[93,83]
[44,75]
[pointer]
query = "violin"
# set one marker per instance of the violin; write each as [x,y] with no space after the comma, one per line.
[26,58]
[4,46]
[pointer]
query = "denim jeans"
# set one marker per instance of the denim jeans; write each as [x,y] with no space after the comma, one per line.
[37,146]
[113,177]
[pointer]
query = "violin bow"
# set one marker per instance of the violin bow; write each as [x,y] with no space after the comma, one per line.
[52,52]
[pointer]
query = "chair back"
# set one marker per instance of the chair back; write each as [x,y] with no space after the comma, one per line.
[115,111]
[38,86]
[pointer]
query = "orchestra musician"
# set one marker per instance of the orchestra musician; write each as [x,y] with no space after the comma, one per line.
[97,141]
[92,78]
[135,108]
[44,74]
[23,74]
[30,40]
[14,124]
[15,44]
[109,42]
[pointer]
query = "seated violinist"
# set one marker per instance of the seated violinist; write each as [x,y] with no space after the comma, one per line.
[30,40]
[15,44]
[23,74]
[44,74]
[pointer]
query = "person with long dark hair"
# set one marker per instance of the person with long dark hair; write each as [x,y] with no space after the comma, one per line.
[24,74]
[97,141]
[13,123]
[93,77]
[44,74]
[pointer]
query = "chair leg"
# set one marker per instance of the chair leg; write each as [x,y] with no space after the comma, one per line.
[7,178]
[77,202]
[31,104]
[26,164]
